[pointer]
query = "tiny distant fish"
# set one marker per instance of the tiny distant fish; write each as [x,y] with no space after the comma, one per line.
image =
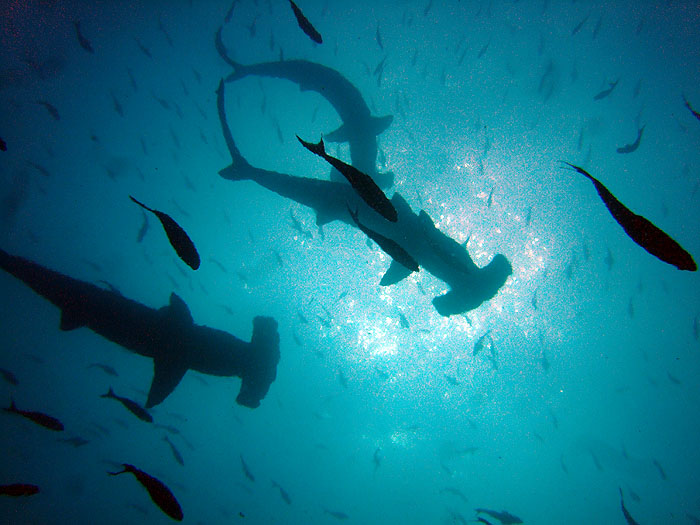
[143,48]
[625,512]
[38,167]
[629,148]
[76,441]
[12,378]
[455,492]
[18,489]
[580,25]
[84,42]
[246,470]
[130,405]
[336,514]
[481,343]
[641,230]
[305,25]
[452,380]
[3,145]
[687,105]
[160,494]
[37,417]
[283,493]
[179,240]
[378,37]
[606,92]
[662,473]
[377,459]
[175,451]
[144,228]
[105,368]
[403,321]
[117,105]
[50,108]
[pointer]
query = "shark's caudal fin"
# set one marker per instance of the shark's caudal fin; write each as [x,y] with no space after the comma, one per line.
[319,148]
[167,370]
[261,365]
[377,125]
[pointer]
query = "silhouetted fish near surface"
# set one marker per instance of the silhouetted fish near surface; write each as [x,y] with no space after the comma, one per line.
[12,378]
[18,489]
[175,451]
[36,417]
[641,230]
[50,108]
[506,518]
[283,493]
[687,105]
[628,517]
[131,406]
[606,92]
[361,182]
[246,470]
[84,42]
[390,247]
[336,514]
[179,240]
[629,148]
[305,25]
[160,494]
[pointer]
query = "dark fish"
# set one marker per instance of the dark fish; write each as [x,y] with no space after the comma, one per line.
[12,378]
[84,42]
[378,37]
[41,169]
[376,459]
[76,441]
[481,343]
[50,108]
[3,145]
[628,517]
[143,48]
[391,248]
[143,229]
[131,406]
[177,237]
[506,518]
[18,489]
[403,321]
[483,520]
[483,50]
[246,470]
[580,25]
[160,494]
[117,106]
[336,514]
[175,451]
[455,492]
[305,25]
[606,92]
[658,466]
[629,148]
[687,104]
[361,182]
[641,230]
[283,493]
[105,368]
[37,417]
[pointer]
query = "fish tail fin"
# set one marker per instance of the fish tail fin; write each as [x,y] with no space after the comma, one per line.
[108,394]
[126,469]
[265,352]
[318,148]
[12,407]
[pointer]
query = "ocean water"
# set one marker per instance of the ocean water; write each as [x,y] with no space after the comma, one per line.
[588,381]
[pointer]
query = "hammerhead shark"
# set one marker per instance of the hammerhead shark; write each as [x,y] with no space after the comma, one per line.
[439,254]
[167,335]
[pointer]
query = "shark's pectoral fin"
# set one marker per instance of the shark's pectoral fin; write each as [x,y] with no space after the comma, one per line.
[70,320]
[166,376]
[394,274]
[380,124]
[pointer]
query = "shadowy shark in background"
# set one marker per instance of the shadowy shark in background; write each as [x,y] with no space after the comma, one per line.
[359,128]
[439,254]
[167,335]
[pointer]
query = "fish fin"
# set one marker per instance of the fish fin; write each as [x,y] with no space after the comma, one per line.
[319,148]
[70,321]
[178,309]
[265,351]
[108,394]
[166,376]
[380,124]
[234,172]
[396,272]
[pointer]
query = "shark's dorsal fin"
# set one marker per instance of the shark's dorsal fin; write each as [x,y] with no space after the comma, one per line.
[166,376]
[70,320]
[394,274]
[178,309]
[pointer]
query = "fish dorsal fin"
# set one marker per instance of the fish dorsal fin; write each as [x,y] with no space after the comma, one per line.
[178,309]
[395,273]
[167,374]
[70,320]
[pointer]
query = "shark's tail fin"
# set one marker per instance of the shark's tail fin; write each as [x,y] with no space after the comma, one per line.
[261,369]
[319,148]
[108,394]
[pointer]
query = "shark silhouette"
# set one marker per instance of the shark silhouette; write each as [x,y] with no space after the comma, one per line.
[359,128]
[167,335]
[439,254]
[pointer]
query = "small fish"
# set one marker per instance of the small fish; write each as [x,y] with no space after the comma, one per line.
[144,228]
[481,343]
[505,517]
[606,92]
[84,42]
[376,459]
[131,406]
[305,25]
[76,441]
[50,108]
[662,473]
[628,517]
[117,105]
[3,145]
[687,105]
[362,183]
[105,368]
[641,230]
[143,48]
[41,169]
[175,451]
[580,25]
[390,247]
[18,489]
[378,38]
[160,494]
[283,493]
[455,492]
[452,380]
[336,514]
[12,378]
[246,470]
[179,240]
[629,148]
[403,321]
[39,418]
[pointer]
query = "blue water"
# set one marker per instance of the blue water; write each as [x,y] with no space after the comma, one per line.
[616,407]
